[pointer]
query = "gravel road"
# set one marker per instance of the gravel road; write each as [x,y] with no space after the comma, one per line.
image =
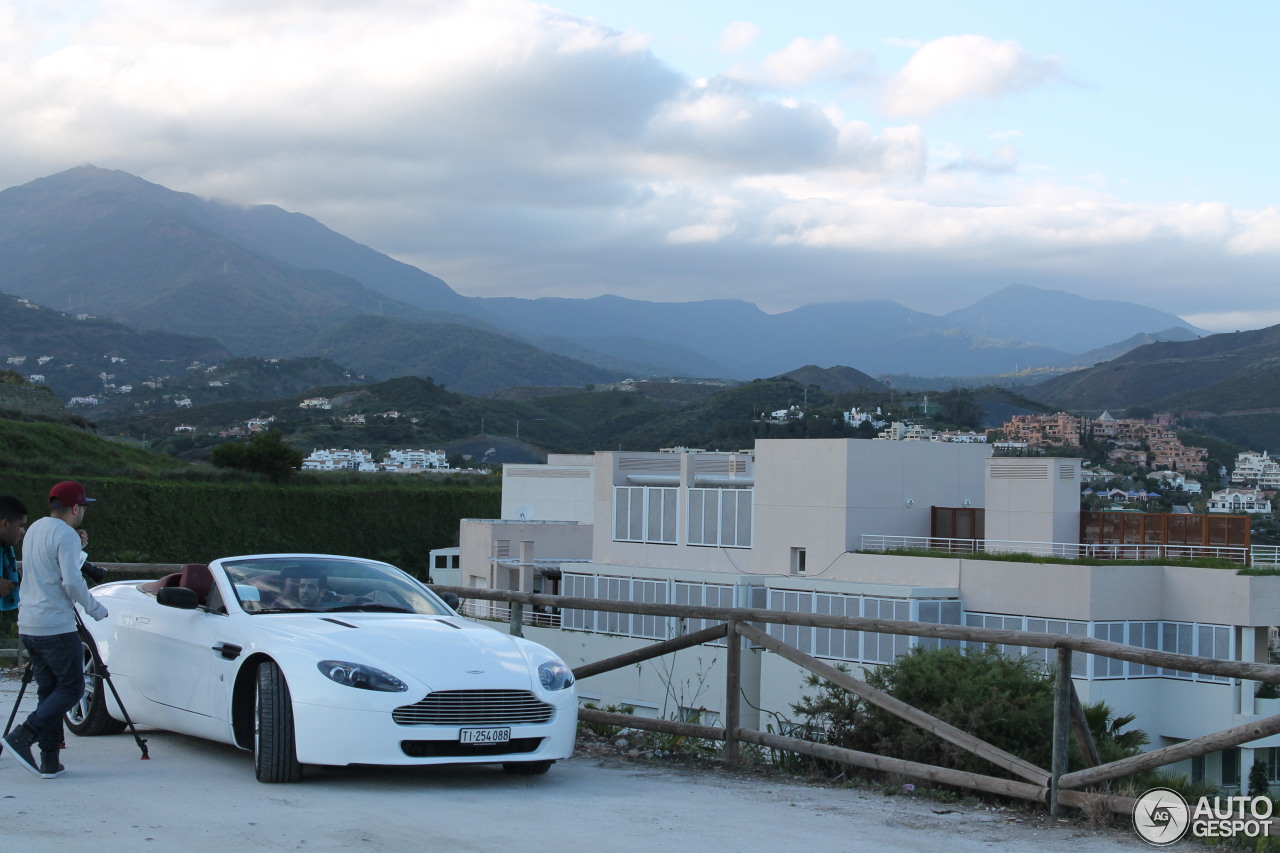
[195,796]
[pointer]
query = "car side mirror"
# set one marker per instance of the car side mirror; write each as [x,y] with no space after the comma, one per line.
[451,599]
[178,596]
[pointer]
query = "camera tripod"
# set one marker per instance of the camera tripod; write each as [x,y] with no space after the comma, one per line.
[98,670]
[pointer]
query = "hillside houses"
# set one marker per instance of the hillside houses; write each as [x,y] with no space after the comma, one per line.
[395,461]
[1147,444]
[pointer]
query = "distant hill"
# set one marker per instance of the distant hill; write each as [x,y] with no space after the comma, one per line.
[471,360]
[1107,353]
[240,379]
[1060,320]
[113,245]
[83,357]
[1224,385]
[835,379]
[266,282]
[1181,369]
[22,401]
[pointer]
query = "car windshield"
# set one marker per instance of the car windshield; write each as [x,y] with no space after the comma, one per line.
[304,584]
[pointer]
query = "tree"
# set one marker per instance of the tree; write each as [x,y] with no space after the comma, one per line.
[265,453]
[960,407]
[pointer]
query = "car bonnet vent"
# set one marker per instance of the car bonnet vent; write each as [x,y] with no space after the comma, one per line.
[338,622]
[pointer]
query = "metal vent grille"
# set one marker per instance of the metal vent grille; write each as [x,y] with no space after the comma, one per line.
[474,708]
[1019,470]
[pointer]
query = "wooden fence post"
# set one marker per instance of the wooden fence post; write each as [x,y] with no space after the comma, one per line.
[732,691]
[1063,696]
[517,619]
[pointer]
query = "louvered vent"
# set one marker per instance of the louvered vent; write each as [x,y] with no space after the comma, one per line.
[475,708]
[1019,470]
[548,473]
[668,464]
[1066,472]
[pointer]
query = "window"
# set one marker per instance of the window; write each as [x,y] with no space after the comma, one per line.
[643,514]
[720,517]
[797,561]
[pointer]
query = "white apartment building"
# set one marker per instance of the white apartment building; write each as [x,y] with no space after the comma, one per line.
[414,460]
[1256,469]
[792,526]
[334,459]
[1236,501]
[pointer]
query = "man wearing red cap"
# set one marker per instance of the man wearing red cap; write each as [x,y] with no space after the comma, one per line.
[51,587]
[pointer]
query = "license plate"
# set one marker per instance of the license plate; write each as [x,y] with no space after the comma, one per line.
[484,735]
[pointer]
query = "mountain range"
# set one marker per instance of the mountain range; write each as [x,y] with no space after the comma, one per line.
[265,282]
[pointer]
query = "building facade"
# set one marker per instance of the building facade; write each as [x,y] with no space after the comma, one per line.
[802,525]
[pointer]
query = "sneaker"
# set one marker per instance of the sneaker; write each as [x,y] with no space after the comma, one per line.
[50,768]
[18,747]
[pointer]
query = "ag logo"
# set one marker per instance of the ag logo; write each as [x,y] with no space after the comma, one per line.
[1161,816]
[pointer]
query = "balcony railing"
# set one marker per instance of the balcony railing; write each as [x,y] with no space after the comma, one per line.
[1074,550]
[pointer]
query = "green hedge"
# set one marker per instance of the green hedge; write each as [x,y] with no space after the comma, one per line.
[162,521]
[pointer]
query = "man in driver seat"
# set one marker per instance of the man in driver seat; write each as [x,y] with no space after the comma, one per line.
[308,589]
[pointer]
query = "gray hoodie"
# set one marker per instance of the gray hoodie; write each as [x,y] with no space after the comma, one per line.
[51,580]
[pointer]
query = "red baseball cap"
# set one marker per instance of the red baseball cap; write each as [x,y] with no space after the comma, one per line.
[68,493]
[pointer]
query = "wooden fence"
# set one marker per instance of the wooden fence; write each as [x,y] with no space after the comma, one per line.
[1054,787]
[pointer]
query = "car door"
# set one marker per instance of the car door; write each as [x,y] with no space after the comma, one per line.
[180,665]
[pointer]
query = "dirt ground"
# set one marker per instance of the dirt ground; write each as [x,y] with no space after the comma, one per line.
[200,797]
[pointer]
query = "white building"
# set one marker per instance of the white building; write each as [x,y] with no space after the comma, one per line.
[334,459]
[800,525]
[1256,469]
[415,460]
[315,403]
[1236,501]
[960,437]
[1176,480]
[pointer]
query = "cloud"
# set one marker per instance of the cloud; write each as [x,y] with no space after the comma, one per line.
[738,36]
[954,69]
[517,150]
[804,62]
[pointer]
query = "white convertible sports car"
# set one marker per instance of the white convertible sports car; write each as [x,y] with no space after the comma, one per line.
[314,659]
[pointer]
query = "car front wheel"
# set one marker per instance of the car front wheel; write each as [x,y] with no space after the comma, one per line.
[89,716]
[275,757]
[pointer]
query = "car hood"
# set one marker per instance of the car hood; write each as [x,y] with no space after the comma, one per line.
[439,653]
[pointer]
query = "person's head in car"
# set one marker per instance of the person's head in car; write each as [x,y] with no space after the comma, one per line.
[311,589]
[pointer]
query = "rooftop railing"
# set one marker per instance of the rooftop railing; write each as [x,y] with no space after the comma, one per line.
[1261,555]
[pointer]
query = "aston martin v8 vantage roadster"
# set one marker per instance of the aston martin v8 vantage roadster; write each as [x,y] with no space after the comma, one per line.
[315,659]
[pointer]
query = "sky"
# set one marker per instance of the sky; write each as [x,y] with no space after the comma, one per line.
[928,152]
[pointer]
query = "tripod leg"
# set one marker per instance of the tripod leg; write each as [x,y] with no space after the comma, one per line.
[101,673]
[27,675]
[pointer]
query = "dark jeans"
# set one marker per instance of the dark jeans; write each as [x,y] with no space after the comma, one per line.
[57,663]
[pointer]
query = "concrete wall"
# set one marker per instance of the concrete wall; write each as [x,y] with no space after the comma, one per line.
[561,490]
[545,542]
[1033,499]
[824,494]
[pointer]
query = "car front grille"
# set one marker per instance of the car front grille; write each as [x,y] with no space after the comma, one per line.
[474,708]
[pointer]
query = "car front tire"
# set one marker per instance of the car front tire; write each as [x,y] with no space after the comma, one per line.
[89,717]
[275,757]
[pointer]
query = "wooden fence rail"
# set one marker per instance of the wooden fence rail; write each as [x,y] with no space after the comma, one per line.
[1053,787]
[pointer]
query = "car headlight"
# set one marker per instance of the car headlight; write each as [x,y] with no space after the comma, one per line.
[555,675]
[361,676]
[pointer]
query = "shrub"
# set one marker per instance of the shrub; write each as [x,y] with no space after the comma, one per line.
[1005,701]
